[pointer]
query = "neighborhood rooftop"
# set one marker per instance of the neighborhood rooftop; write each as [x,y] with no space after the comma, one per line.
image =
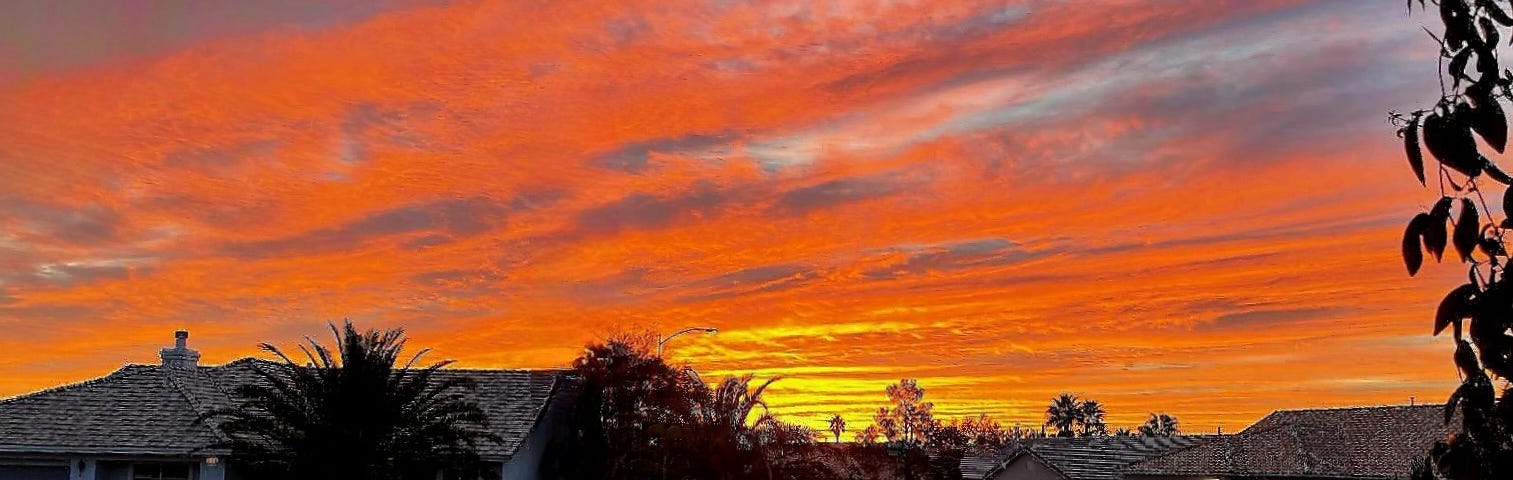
[1085,458]
[1329,443]
[1357,442]
[151,410]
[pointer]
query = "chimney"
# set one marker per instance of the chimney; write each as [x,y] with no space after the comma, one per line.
[180,356]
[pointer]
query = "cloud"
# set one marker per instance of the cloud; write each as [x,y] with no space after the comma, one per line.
[89,224]
[455,218]
[636,157]
[838,192]
[645,211]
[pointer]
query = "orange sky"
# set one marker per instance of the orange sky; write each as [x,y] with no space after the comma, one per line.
[1191,207]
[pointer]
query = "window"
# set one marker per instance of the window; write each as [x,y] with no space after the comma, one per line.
[160,471]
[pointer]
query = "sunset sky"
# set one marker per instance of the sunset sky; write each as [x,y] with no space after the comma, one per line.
[1182,206]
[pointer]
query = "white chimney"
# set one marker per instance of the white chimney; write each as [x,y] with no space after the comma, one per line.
[180,355]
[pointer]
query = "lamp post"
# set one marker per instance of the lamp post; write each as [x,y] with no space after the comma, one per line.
[663,340]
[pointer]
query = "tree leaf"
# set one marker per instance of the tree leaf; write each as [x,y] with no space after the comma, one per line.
[1455,306]
[1415,153]
[1467,230]
[1449,140]
[1413,253]
[1441,208]
[1457,66]
[1489,31]
[1435,236]
[1496,173]
[1488,121]
[1497,13]
[1453,13]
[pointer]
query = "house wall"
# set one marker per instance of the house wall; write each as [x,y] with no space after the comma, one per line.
[1027,467]
[526,464]
[108,470]
[541,454]
[61,467]
[33,472]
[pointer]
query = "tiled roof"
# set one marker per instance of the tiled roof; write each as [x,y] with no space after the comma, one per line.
[1087,458]
[150,410]
[132,411]
[977,466]
[1361,442]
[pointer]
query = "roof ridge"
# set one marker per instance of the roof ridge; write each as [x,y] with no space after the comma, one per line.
[169,376]
[69,386]
[1358,407]
[251,360]
[1304,456]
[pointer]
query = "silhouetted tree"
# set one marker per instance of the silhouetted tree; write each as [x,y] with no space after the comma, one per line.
[1123,432]
[984,433]
[1160,425]
[1064,414]
[837,426]
[730,405]
[638,417]
[1092,418]
[886,424]
[631,412]
[353,412]
[868,436]
[910,412]
[1472,86]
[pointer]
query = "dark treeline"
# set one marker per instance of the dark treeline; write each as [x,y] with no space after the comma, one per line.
[362,409]
[638,417]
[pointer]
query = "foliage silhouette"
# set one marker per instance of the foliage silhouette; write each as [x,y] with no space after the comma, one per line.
[1092,418]
[638,417]
[909,411]
[1159,425]
[1064,414]
[353,412]
[837,426]
[1472,86]
[1073,417]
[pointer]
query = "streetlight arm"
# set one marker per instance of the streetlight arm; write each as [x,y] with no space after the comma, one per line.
[663,340]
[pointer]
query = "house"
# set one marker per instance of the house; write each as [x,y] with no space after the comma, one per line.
[1086,458]
[1339,443]
[139,423]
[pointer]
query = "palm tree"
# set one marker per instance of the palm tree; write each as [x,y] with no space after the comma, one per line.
[353,412]
[1092,418]
[1159,425]
[733,401]
[837,426]
[1064,413]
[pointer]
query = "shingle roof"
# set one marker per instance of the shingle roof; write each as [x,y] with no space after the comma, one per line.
[1087,458]
[978,466]
[135,410]
[150,410]
[1359,442]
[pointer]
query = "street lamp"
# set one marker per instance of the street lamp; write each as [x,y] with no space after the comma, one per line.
[663,340]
